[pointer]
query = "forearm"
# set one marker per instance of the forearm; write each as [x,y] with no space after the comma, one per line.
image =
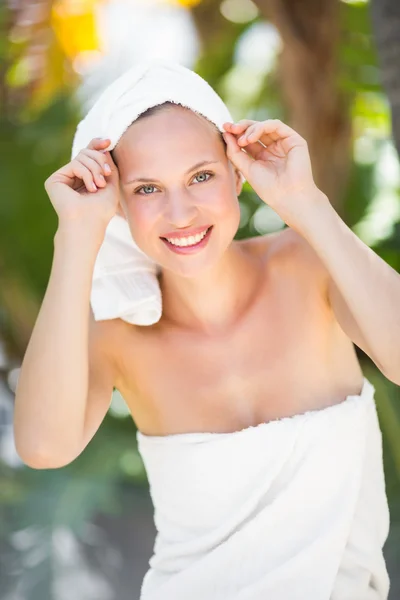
[369,286]
[53,382]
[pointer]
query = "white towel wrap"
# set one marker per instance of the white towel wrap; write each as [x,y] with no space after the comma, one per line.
[292,509]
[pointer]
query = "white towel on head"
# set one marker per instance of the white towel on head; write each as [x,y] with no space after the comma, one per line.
[125,283]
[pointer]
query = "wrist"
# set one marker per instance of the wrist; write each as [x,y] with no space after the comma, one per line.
[79,233]
[314,209]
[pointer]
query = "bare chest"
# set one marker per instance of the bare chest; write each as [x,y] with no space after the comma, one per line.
[285,356]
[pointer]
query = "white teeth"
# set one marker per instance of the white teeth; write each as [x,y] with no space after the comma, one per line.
[188,241]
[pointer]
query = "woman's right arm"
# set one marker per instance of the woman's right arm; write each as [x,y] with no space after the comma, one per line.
[53,385]
[67,375]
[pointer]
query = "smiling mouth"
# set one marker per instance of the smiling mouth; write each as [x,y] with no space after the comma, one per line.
[185,245]
[187,242]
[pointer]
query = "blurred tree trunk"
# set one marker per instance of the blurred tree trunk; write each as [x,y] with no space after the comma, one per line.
[217,38]
[308,73]
[386,26]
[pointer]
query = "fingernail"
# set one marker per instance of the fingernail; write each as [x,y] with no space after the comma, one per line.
[107,168]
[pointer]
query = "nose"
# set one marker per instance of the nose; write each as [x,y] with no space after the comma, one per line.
[180,211]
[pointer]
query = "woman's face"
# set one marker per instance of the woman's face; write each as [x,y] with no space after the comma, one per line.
[167,193]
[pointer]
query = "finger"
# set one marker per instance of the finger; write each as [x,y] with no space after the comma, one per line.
[82,172]
[110,161]
[279,131]
[272,132]
[100,158]
[114,173]
[256,150]
[236,155]
[254,134]
[95,161]
[246,127]
[99,143]
[71,172]
[93,167]
[258,131]
[239,127]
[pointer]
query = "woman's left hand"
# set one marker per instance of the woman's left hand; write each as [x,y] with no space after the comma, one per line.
[275,161]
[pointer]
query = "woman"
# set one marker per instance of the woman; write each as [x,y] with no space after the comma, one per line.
[256,426]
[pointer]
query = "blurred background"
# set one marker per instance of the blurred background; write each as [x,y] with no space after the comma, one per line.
[330,69]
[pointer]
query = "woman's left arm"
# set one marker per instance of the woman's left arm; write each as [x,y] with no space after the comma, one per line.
[362,289]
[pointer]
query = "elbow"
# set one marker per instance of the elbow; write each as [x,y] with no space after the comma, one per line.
[39,458]
[42,461]
[53,454]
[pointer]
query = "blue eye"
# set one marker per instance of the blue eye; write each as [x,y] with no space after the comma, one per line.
[204,173]
[153,186]
[144,187]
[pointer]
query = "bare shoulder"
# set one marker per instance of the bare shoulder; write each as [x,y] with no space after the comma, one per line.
[266,245]
[288,249]
[281,244]
[307,260]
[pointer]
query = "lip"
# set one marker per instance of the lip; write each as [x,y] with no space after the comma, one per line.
[186,232]
[190,249]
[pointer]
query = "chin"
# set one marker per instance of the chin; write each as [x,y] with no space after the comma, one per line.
[188,266]
[189,271]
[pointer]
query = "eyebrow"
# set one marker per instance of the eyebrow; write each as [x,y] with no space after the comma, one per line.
[196,166]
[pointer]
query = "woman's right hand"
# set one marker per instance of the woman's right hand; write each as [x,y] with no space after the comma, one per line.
[83,192]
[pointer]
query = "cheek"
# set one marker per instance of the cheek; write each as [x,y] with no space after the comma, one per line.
[225,205]
[141,223]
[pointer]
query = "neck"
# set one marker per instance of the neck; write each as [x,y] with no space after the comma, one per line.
[215,299]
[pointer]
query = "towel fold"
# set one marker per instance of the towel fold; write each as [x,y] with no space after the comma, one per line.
[125,283]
